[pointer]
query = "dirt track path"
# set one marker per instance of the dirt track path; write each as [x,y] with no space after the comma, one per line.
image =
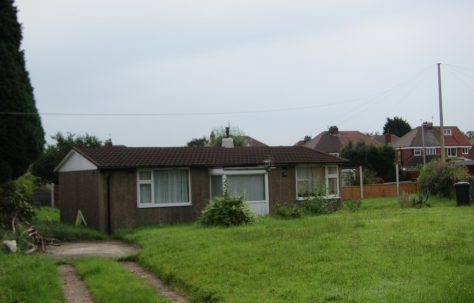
[74,289]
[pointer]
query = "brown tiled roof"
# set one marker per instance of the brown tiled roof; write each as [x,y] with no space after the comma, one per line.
[432,134]
[383,138]
[333,143]
[132,157]
[253,142]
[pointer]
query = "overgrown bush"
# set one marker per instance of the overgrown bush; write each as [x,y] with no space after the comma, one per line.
[14,206]
[353,205]
[420,200]
[227,210]
[26,185]
[319,205]
[289,212]
[417,201]
[438,178]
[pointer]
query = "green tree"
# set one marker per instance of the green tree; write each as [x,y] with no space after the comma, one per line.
[21,135]
[470,134]
[396,126]
[198,142]
[55,153]
[378,160]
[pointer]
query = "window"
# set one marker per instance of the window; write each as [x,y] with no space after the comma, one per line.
[465,150]
[417,152]
[163,187]
[452,152]
[250,186]
[447,132]
[314,180]
[431,151]
[332,181]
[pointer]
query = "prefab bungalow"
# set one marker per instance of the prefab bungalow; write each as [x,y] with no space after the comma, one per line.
[118,186]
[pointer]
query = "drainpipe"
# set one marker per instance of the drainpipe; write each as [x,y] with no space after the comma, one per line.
[109,220]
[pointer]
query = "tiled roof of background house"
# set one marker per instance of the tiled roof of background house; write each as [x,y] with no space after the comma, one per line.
[386,138]
[254,142]
[333,143]
[132,157]
[431,137]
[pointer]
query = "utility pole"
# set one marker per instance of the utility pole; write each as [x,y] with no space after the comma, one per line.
[423,142]
[441,123]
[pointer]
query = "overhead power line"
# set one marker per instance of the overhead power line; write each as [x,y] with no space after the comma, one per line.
[366,101]
[176,113]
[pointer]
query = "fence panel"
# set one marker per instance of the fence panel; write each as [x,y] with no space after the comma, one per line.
[378,190]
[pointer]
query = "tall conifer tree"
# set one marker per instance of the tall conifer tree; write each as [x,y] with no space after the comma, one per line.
[21,136]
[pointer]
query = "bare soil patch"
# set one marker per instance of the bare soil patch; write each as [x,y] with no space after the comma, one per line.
[154,282]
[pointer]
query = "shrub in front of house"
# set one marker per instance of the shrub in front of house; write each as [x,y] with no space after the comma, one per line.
[319,205]
[227,210]
[438,178]
[289,212]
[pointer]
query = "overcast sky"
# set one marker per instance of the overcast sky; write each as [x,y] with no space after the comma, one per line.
[279,70]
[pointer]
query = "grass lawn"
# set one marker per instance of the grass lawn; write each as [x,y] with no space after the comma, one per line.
[28,279]
[380,253]
[34,278]
[47,223]
[110,283]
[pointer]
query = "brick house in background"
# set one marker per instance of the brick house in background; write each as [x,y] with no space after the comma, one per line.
[425,141]
[332,141]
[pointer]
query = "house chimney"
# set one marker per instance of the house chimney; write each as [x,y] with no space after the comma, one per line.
[427,125]
[108,143]
[388,138]
[306,139]
[333,130]
[212,138]
[227,143]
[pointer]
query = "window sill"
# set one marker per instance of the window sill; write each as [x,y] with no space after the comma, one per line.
[151,205]
[325,197]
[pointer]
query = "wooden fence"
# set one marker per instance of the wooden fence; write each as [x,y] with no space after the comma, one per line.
[378,190]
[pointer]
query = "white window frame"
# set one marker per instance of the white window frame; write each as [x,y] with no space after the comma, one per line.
[225,173]
[431,151]
[417,152]
[151,182]
[336,175]
[326,181]
[465,150]
[450,149]
[447,132]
